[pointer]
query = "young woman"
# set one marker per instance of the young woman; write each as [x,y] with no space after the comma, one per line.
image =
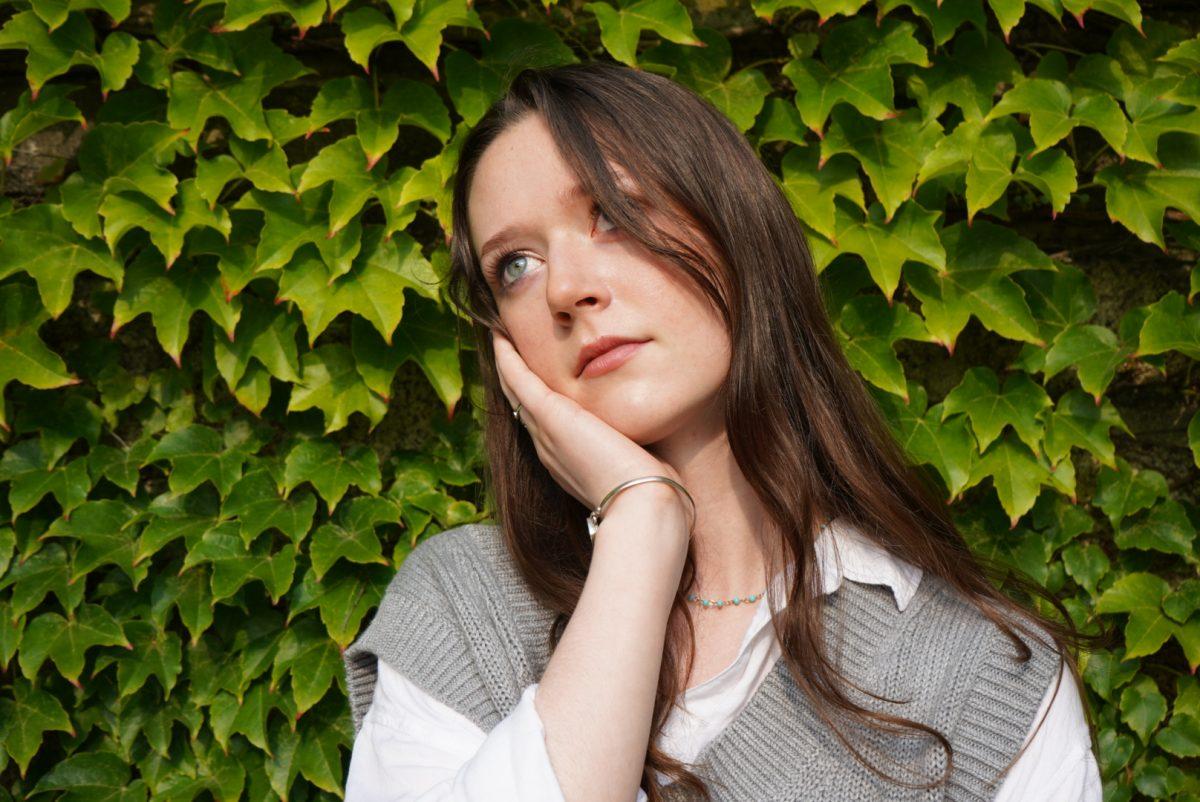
[767,602]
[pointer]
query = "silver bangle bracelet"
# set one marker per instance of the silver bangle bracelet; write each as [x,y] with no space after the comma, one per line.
[594,518]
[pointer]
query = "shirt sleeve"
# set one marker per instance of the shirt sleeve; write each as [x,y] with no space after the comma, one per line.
[414,748]
[1058,765]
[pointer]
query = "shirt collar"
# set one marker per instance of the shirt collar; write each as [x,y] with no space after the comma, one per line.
[843,552]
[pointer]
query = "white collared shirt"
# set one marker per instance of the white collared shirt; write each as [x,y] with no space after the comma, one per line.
[414,748]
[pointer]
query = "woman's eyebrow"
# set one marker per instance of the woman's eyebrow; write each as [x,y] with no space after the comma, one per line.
[509,232]
[564,197]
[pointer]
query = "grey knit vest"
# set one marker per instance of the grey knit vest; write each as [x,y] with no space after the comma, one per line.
[459,621]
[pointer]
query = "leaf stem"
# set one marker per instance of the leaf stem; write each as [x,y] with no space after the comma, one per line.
[1033,46]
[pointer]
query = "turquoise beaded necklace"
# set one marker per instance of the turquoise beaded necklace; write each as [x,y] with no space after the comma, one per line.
[736,600]
[722,602]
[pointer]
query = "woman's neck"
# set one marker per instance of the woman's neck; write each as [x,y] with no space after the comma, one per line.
[728,542]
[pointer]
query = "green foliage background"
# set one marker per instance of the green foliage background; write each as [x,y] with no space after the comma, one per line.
[229,371]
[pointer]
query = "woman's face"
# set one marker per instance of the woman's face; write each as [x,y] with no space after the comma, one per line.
[564,277]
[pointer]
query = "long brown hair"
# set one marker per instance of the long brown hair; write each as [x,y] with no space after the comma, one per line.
[800,422]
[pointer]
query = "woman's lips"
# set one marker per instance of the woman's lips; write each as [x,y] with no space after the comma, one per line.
[610,360]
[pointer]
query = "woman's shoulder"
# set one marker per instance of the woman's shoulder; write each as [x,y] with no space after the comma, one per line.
[953,644]
[436,558]
[948,603]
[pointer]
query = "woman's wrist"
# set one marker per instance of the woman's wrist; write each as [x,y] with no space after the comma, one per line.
[653,513]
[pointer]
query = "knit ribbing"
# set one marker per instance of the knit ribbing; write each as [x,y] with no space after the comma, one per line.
[459,621]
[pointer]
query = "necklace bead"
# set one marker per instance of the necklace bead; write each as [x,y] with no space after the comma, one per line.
[721,603]
[736,600]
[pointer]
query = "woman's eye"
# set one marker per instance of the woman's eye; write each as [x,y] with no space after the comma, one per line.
[597,213]
[500,269]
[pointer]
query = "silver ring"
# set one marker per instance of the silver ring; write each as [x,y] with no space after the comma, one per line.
[517,413]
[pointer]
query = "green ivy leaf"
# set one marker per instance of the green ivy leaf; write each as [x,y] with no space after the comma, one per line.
[264,164]
[66,640]
[51,52]
[279,764]
[824,9]
[121,212]
[891,153]
[190,594]
[234,565]
[948,445]
[1078,421]
[1181,737]
[248,716]
[886,246]
[105,538]
[1115,750]
[31,476]
[38,240]
[1138,195]
[1143,707]
[1166,528]
[1107,672]
[1125,490]
[241,14]
[30,116]
[406,102]
[422,31]
[120,466]
[812,187]
[1139,594]
[258,504]
[364,29]
[291,222]
[1016,474]
[310,658]
[1020,405]
[117,157]
[1087,564]
[265,333]
[1094,351]
[319,758]
[333,385]
[427,338]
[100,776]
[1171,325]
[867,327]
[154,652]
[32,578]
[740,96]
[1183,601]
[351,535]
[474,84]
[344,596]
[855,68]
[1048,104]
[620,27]
[30,713]
[980,259]
[330,471]
[1188,637]
[1152,115]
[1193,435]
[1126,10]
[196,96]
[967,78]
[198,454]
[171,297]
[354,178]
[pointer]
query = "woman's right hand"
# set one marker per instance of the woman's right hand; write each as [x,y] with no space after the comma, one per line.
[584,454]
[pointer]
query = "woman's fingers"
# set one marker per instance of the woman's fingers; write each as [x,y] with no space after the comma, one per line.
[501,346]
[520,384]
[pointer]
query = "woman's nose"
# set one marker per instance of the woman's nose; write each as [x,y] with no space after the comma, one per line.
[575,281]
